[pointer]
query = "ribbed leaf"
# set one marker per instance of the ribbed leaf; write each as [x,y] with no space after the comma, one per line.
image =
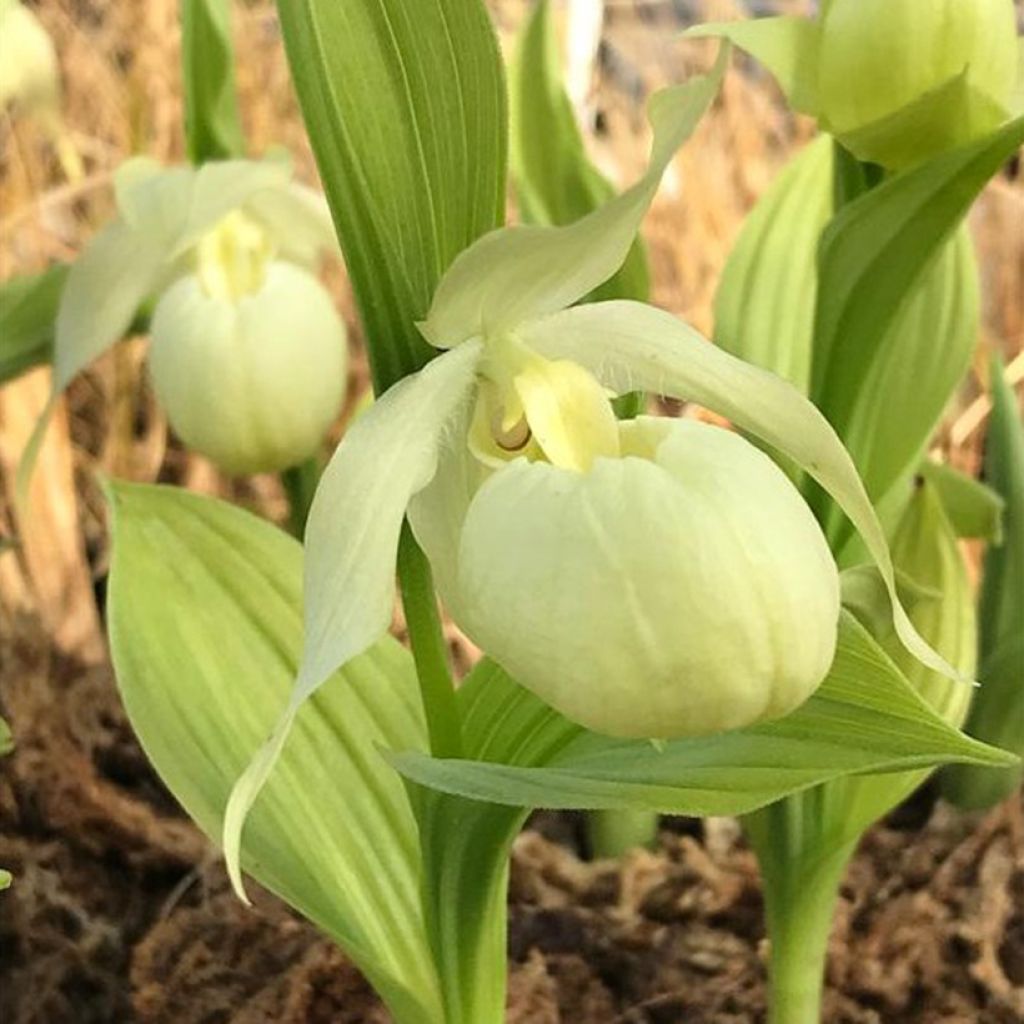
[206,630]
[973,508]
[28,314]
[915,370]
[926,549]
[213,128]
[866,717]
[874,253]
[404,101]
[998,712]
[555,180]
[764,306]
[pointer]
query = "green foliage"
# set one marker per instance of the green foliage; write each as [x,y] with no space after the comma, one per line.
[205,631]
[28,312]
[873,256]
[998,712]
[405,107]
[213,127]
[764,305]
[974,509]
[866,717]
[555,180]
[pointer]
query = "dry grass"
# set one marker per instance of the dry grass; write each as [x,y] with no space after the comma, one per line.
[120,65]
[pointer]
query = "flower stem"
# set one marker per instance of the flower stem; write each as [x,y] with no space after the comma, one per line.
[429,650]
[613,833]
[801,883]
[299,484]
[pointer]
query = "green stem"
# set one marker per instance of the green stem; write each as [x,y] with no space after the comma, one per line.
[800,889]
[299,484]
[429,651]
[613,833]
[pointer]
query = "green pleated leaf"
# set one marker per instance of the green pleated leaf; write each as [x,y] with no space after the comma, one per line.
[404,101]
[914,371]
[874,253]
[764,306]
[206,631]
[465,842]
[213,128]
[865,718]
[925,548]
[998,713]
[555,180]
[974,509]
[28,314]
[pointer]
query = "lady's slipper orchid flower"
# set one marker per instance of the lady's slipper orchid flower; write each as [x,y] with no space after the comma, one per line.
[248,352]
[658,578]
[895,81]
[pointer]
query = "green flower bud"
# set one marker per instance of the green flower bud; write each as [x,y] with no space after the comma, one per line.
[248,354]
[889,68]
[681,589]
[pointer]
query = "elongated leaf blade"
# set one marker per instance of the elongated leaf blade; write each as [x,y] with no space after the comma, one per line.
[876,250]
[555,180]
[998,712]
[925,547]
[764,306]
[915,370]
[205,627]
[405,103]
[865,718]
[213,127]
[28,315]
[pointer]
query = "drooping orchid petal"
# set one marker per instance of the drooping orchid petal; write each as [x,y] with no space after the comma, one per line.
[389,454]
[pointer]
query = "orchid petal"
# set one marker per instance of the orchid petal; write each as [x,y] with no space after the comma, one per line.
[630,346]
[516,273]
[389,454]
[104,289]
[298,219]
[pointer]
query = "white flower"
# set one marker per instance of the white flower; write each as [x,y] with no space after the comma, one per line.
[561,538]
[248,354]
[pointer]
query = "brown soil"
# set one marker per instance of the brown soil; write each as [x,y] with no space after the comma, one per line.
[120,912]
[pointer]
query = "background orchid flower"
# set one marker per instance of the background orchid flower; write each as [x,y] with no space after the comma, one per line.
[516,411]
[248,352]
[895,81]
